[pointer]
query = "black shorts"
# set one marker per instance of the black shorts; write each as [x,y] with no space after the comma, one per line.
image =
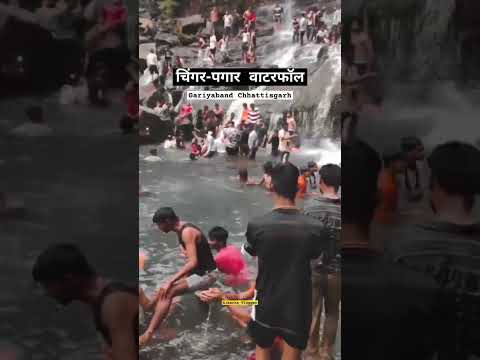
[213,51]
[232,151]
[264,337]
[228,30]
[245,47]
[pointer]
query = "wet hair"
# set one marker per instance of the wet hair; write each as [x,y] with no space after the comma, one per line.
[285,180]
[331,175]
[357,20]
[268,167]
[60,260]
[392,155]
[312,164]
[164,214]
[410,143]
[455,168]
[304,169]
[219,234]
[362,165]
[35,114]
[154,152]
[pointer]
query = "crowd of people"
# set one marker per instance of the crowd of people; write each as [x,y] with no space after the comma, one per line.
[311,26]
[220,37]
[212,132]
[82,46]
[299,254]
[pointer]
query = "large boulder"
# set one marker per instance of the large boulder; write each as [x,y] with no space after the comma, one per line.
[166,38]
[190,25]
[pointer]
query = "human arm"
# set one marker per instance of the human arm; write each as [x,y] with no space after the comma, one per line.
[119,311]
[189,237]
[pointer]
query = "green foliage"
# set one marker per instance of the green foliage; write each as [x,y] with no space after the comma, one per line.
[169,8]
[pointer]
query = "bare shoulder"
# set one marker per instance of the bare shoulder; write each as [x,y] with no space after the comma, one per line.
[119,305]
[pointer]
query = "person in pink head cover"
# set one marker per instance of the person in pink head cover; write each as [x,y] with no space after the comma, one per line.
[229,259]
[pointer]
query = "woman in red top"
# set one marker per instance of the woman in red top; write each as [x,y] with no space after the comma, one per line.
[196,150]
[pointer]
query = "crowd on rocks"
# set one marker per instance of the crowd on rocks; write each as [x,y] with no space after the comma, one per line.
[81,50]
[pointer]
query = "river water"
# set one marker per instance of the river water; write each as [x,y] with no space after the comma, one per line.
[61,182]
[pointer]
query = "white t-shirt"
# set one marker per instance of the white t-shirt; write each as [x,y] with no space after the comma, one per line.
[252,139]
[284,145]
[32,130]
[152,59]
[245,37]
[310,19]
[213,42]
[228,20]
[322,34]
[223,45]
[211,143]
[303,24]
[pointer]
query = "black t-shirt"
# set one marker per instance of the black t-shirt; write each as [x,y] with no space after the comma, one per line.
[285,241]
[448,254]
[206,262]
[275,141]
[102,328]
[244,137]
[387,309]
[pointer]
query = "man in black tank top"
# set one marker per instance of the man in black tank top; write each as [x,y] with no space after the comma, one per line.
[65,274]
[199,272]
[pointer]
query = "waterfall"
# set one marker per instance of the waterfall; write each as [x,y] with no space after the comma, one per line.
[332,68]
[431,28]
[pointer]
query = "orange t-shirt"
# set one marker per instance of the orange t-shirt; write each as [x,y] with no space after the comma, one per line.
[387,209]
[245,115]
[302,185]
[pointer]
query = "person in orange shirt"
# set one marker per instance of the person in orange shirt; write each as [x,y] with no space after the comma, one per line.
[245,113]
[303,182]
[395,163]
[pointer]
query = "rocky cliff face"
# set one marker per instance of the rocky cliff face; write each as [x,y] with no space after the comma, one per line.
[424,39]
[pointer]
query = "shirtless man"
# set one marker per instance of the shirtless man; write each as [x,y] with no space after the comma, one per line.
[199,272]
[65,274]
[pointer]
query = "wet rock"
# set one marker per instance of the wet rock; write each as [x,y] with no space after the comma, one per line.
[185,52]
[190,25]
[166,38]
[264,30]
[322,53]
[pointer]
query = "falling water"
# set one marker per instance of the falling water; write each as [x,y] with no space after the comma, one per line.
[431,33]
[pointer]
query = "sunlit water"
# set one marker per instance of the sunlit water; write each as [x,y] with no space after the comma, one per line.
[206,193]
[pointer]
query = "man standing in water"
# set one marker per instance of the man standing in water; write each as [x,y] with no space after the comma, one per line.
[284,143]
[302,27]
[65,274]
[197,274]
[326,270]
[277,13]
[285,241]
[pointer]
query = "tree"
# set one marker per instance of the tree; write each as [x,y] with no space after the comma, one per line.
[169,8]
